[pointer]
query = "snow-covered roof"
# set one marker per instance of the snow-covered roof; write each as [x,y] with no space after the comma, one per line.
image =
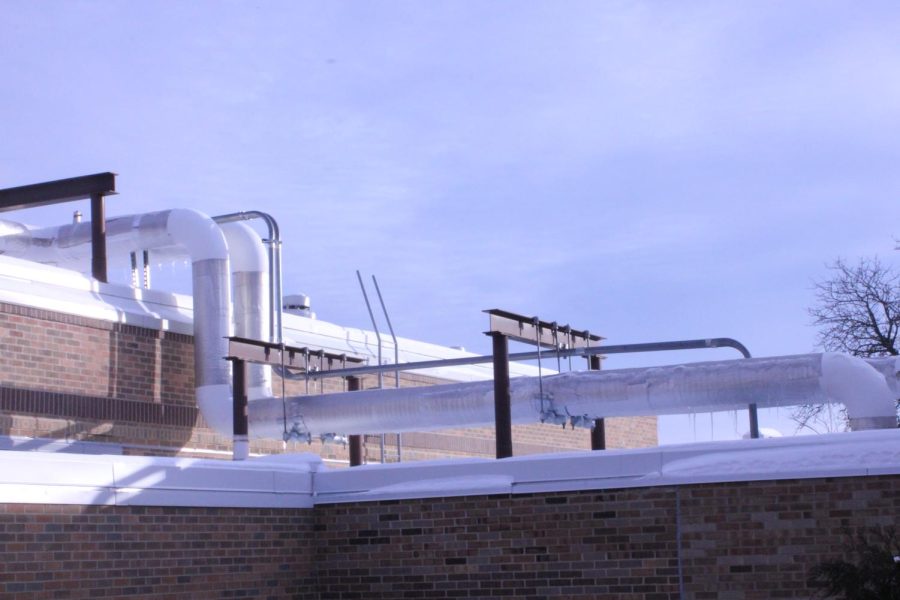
[301,480]
[61,290]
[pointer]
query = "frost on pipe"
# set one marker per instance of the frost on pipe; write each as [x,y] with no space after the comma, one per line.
[696,387]
[889,366]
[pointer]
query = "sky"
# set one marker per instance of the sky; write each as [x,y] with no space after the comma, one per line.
[649,171]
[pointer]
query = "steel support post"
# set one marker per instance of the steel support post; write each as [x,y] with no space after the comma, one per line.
[754,421]
[355,441]
[598,431]
[502,411]
[98,238]
[241,426]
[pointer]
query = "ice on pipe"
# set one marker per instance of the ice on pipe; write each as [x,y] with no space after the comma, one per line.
[858,385]
[678,389]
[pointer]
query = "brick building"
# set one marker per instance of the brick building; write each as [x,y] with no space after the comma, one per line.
[131,507]
[93,362]
[738,520]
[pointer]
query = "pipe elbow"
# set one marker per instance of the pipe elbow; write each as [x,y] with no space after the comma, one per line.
[245,248]
[861,389]
[197,234]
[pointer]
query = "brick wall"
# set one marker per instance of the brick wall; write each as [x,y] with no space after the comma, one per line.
[758,540]
[54,551]
[738,541]
[732,541]
[70,377]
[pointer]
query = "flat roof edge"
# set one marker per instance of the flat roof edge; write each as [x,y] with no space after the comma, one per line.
[288,481]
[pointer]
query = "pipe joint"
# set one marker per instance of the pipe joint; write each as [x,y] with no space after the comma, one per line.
[334,438]
[554,417]
[297,433]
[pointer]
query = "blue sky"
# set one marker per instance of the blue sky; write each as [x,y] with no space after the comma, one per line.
[646,170]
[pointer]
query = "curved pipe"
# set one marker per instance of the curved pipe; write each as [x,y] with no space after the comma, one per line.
[203,241]
[889,366]
[696,387]
[273,243]
[250,292]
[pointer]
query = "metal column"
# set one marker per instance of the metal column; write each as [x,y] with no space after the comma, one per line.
[241,427]
[502,411]
[355,441]
[96,187]
[598,431]
[98,238]
[754,421]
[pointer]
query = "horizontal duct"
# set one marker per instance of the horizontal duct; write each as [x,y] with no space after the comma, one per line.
[696,387]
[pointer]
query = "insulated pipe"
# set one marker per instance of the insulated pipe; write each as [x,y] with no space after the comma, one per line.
[889,366]
[250,292]
[273,244]
[203,241]
[679,389]
[70,245]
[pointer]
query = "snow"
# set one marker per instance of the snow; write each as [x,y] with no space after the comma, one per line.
[834,455]
[469,485]
[765,432]
[858,385]
[301,480]
[66,291]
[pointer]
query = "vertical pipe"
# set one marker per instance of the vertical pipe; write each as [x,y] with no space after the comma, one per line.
[502,411]
[278,301]
[598,431]
[98,238]
[355,440]
[273,318]
[241,448]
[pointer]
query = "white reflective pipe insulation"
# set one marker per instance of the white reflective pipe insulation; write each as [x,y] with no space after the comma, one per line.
[889,366]
[70,245]
[679,389]
[250,293]
[204,242]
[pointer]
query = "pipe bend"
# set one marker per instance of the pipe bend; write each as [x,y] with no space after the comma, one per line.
[245,248]
[861,388]
[197,234]
[250,291]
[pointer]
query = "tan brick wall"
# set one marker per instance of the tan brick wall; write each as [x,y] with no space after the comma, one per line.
[69,377]
[56,551]
[735,541]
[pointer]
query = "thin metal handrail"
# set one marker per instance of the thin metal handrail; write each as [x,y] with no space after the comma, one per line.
[523,356]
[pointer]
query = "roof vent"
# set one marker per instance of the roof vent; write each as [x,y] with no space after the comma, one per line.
[298,304]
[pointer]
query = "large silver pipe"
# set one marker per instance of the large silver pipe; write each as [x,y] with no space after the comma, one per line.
[588,395]
[251,297]
[273,245]
[201,239]
[70,245]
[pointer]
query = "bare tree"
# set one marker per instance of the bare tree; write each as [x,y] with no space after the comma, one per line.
[858,309]
[858,312]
